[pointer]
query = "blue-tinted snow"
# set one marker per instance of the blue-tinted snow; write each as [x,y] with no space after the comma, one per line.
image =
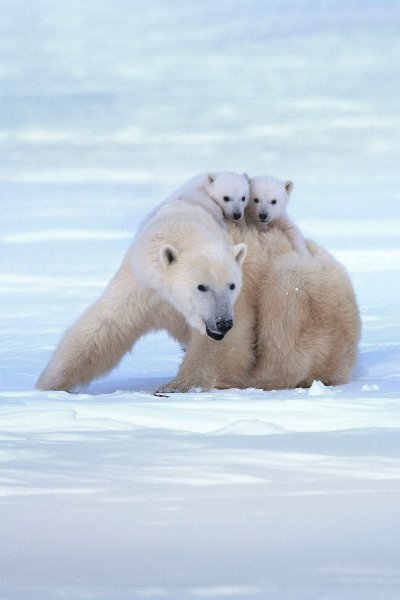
[104,107]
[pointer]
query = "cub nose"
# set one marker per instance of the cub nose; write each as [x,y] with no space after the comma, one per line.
[237,216]
[224,325]
[263,216]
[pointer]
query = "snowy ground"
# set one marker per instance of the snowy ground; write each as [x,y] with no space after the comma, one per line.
[114,493]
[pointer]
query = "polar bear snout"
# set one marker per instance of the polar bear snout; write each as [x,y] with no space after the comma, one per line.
[219,328]
[224,325]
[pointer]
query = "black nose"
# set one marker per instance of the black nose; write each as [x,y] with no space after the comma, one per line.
[263,216]
[237,216]
[224,325]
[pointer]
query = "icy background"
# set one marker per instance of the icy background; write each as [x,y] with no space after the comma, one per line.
[105,106]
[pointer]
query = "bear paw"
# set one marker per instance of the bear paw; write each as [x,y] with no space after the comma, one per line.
[177,386]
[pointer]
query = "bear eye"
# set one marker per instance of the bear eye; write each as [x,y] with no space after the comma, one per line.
[243,198]
[232,286]
[226,198]
[202,288]
[273,201]
[256,200]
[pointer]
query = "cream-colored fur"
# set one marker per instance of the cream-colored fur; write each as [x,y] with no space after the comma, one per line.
[156,287]
[209,364]
[303,311]
[267,206]
[308,324]
[296,318]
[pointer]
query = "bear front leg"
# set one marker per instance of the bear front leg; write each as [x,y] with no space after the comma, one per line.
[211,364]
[197,371]
[102,334]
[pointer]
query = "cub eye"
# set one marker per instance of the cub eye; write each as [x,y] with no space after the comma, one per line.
[202,288]
[273,201]
[243,198]
[232,286]
[256,200]
[226,198]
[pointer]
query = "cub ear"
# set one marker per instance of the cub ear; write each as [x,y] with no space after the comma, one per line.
[289,186]
[168,254]
[239,253]
[211,178]
[247,177]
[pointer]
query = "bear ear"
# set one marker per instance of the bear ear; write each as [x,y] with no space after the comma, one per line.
[239,253]
[289,186]
[211,178]
[247,177]
[168,254]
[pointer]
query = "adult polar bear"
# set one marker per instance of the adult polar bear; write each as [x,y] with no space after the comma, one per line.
[180,252]
[296,317]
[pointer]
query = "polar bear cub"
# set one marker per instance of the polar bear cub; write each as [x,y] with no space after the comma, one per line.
[267,208]
[223,193]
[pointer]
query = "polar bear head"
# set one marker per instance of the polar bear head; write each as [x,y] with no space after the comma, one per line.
[268,198]
[230,191]
[202,286]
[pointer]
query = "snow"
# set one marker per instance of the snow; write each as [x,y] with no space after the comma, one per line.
[105,107]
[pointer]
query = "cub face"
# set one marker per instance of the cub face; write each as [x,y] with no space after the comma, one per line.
[203,288]
[268,198]
[230,191]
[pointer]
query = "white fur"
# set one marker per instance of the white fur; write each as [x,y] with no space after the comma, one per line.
[209,190]
[296,318]
[269,198]
[182,248]
[156,287]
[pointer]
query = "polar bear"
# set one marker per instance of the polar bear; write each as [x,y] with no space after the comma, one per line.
[296,317]
[305,318]
[223,193]
[267,208]
[181,273]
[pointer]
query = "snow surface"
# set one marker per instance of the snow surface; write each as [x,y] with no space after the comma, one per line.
[114,494]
